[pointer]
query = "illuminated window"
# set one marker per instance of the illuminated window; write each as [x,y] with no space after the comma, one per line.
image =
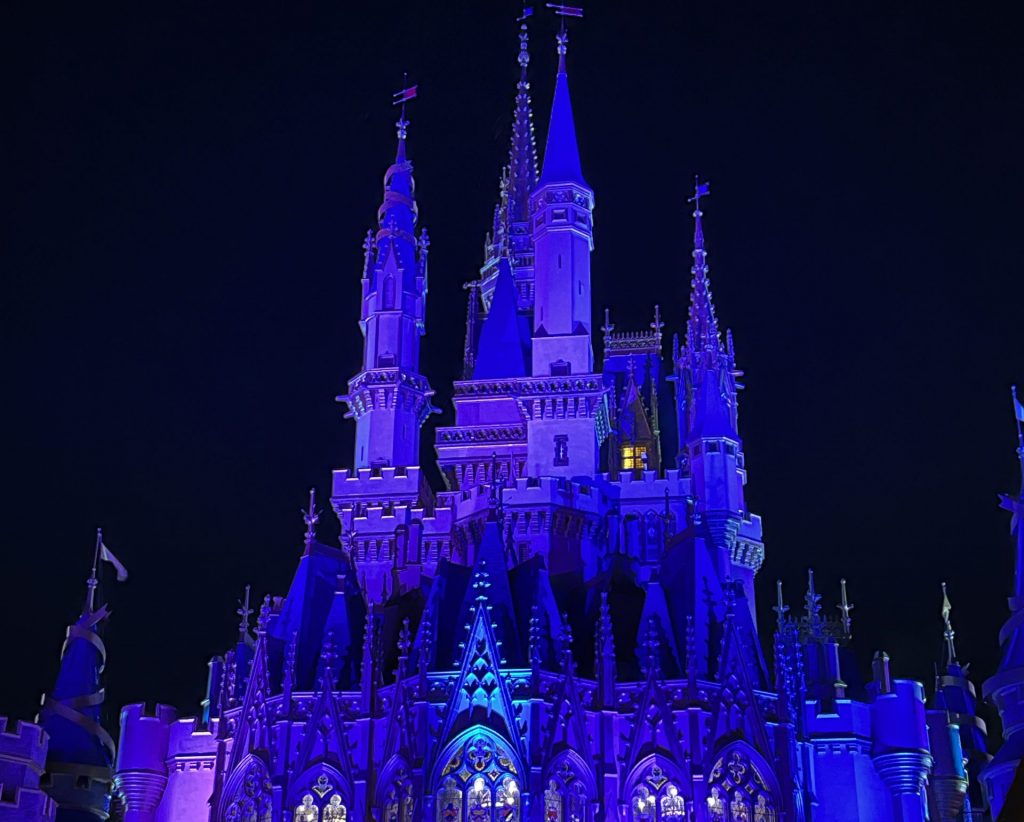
[634,457]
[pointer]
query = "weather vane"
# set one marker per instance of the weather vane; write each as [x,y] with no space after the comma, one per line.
[400,98]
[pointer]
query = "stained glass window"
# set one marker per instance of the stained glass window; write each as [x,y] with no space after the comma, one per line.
[657,799]
[481,784]
[738,786]
[252,802]
[322,803]
[553,803]
[507,804]
[307,811]
[449,802]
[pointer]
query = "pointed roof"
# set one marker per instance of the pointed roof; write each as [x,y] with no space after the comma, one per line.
[522,154]
[702,327]
[503,346]
[561,152]
[70,714]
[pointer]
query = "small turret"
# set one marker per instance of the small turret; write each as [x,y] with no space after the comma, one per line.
[81,752]
[389,398]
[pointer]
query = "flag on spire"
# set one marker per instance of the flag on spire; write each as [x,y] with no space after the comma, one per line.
[405,95]
[108,556]
[1018,408]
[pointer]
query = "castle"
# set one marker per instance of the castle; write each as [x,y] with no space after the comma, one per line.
[567,630]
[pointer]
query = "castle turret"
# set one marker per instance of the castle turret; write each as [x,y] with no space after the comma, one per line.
[954,705]
[81,752]
[710,448]
[389,398]
[563,238]
[1005,688]
[567,406]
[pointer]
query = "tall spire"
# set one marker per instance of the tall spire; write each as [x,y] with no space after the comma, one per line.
[702,329]
[561,151]
[522,155]
[392,320]
[948,632]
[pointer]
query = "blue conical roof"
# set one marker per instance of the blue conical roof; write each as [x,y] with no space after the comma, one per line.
[562,153]
[503,347]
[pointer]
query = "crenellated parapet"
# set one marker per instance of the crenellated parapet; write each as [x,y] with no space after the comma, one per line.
[23,747]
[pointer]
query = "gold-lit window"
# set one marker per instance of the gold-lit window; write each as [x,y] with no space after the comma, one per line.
[634,457]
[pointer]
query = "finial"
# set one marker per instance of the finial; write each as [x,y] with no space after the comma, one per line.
[562,38]
[729,595]
[781,608]
[400,98]
[264,618]
[288,675]
[607,328]
[812,606]
[327,658]
[404,640]
[481,581]
[651,647]
[535,637]
[311,516]
[93,580]
[845,606]
[524,38]
[565,641]
[657,325]
[948,633]
[244,612]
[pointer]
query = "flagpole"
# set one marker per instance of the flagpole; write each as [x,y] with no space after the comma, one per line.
[93,579]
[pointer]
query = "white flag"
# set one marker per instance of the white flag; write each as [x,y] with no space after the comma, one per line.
[108,556]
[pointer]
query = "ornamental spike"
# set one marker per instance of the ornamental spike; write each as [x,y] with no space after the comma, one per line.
[948,633]
[781,608]
[845,606]
[244,612]
[311,516]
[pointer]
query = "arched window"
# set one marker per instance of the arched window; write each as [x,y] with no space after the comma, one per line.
[480,784]
[507,804]
[322,802]
[553,802]
[657,799]
[478,802]
[565,799]
[307,811]
[449,802]
[251,801]
[399,802]
[738,787]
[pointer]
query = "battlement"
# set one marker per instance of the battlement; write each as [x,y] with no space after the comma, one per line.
[378,486]
[25,742]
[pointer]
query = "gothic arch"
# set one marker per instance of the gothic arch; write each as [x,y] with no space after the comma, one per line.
[655,791]
[396,795]
[248,795]
[570,789]
[741,785]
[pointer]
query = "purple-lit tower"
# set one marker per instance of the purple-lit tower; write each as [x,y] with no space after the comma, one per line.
[566,630]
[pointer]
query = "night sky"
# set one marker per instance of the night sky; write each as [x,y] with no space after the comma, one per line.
[186,192]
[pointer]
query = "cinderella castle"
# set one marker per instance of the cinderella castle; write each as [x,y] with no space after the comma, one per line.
[566,630]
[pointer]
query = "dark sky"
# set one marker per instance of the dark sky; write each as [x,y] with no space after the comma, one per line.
[186,191]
